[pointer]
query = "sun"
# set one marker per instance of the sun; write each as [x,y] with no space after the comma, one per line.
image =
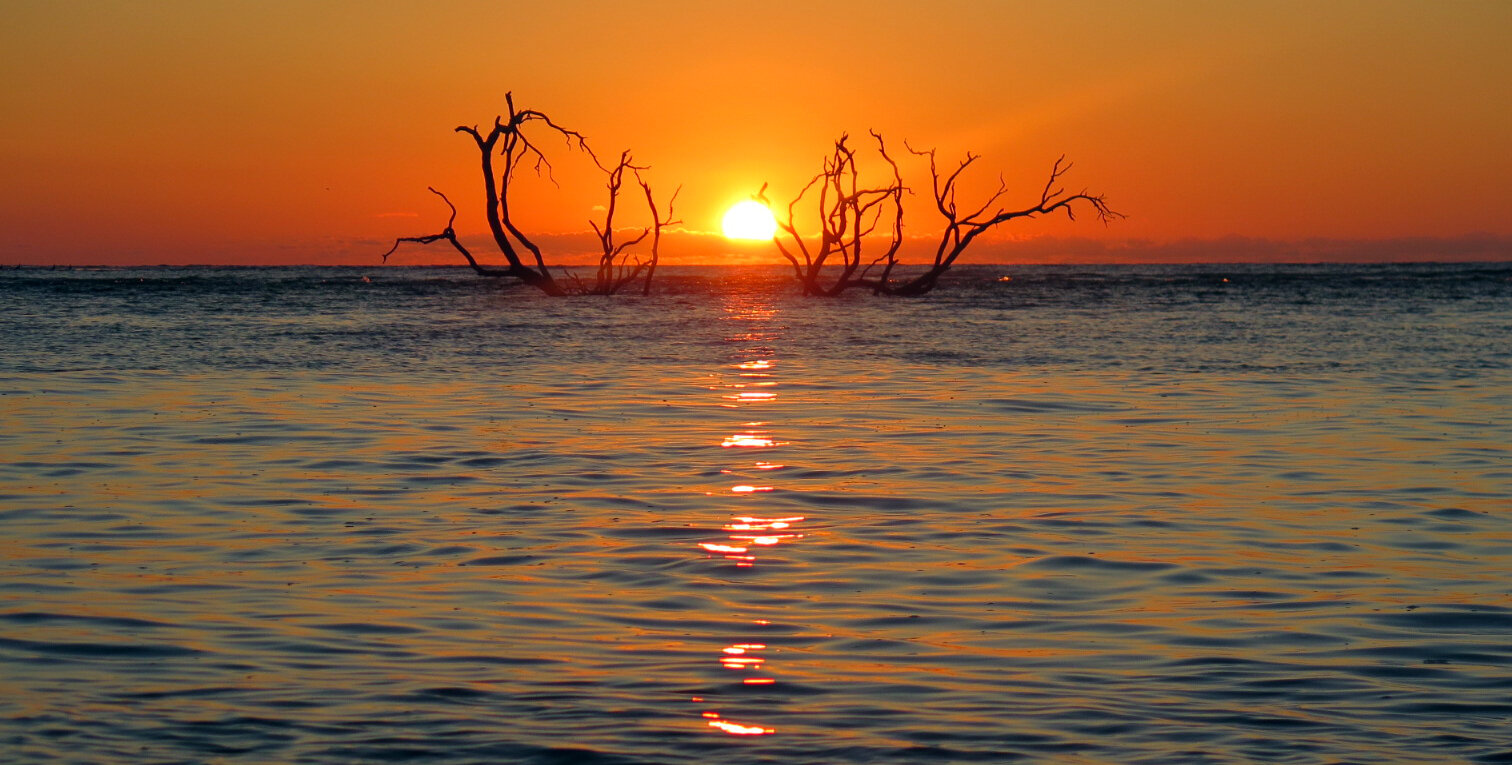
[749,220]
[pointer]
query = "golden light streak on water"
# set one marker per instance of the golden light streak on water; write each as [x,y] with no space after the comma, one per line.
[748,531]
[742,662]
[715,547]
[750,441]
[739,729]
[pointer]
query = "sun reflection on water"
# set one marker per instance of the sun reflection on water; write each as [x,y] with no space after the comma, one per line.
[738,729]
[749,533]
[751,440]
[751,397]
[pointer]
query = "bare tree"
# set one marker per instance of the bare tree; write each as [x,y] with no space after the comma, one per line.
[657,224]
[510,140]
[848,213]
[619,264]
[961,228]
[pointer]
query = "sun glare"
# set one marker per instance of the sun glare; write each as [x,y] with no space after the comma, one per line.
[749,220]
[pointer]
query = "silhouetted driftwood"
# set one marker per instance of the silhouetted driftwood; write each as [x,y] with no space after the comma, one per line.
[619,265]
[850,214]
[657,224]
[962,228]
[509,141]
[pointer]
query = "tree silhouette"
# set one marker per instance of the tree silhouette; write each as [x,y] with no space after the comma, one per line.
[510,139]
[849,213]
[619,265]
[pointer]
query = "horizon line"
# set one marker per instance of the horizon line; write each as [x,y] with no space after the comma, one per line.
[781,266]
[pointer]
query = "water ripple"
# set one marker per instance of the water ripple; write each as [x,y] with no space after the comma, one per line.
[428,519]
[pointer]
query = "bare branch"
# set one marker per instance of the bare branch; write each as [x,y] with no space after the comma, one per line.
[449,234]
[510,140]
[849,214]
[657,224]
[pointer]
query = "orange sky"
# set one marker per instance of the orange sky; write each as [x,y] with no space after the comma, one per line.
[270,132]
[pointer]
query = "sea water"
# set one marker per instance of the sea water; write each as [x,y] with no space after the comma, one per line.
[1175,514]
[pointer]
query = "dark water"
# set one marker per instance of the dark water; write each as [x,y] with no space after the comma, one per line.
[1135,515]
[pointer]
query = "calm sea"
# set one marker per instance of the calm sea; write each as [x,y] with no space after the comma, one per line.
[1171,514]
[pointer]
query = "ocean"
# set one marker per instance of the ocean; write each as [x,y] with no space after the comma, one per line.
[1069,514]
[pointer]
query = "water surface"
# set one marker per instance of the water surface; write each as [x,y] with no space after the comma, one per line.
[1142,514]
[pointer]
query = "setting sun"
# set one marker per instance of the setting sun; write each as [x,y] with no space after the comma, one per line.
[749,220]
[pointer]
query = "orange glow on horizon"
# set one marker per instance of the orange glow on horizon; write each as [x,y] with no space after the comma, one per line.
[1193,159]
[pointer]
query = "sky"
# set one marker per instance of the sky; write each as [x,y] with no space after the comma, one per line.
[274,132]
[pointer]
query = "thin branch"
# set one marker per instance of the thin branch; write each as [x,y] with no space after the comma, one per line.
[658,223]
[449,234]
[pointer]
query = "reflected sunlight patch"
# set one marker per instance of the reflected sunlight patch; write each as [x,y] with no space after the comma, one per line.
[749,441]
[737,729]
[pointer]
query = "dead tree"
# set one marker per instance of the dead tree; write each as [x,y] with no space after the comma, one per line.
[963,228]
[619,264]
[450,234]
[657,224]
[849,213]
[510,141]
